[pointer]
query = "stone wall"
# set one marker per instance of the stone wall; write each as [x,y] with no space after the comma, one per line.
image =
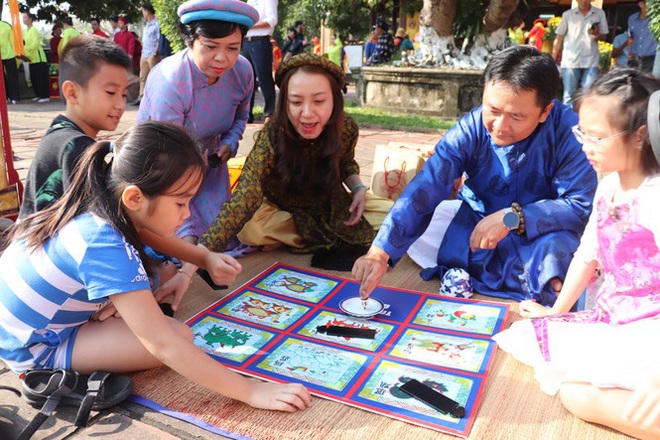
[448,93]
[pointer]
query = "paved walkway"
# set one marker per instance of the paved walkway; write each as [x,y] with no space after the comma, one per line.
[28,122]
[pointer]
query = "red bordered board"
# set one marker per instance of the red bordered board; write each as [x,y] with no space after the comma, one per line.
[267,329]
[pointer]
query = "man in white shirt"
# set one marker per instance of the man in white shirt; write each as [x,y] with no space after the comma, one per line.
[581,27]
[258,49]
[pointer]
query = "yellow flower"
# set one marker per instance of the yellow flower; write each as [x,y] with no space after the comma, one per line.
[554,22]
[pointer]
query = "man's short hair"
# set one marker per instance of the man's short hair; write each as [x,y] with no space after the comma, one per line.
[525,68]
[149,7]
[297,23]
[382,24]
[85,54]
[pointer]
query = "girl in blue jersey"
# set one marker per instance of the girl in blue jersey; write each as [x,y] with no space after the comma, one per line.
[66,263]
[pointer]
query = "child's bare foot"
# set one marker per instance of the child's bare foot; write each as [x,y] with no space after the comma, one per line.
[532,309]
[556,285]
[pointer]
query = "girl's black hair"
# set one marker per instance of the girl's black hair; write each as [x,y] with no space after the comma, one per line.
[208,29]
[151,155]
[631,90]
[290,173]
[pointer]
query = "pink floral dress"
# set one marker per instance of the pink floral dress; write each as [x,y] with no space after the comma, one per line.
[621,328]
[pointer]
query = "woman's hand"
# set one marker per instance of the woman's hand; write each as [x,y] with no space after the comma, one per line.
[177,285]
[289,397]
[643,406]
[369,270]
[224,153]
[222,268]
[357,206]
[532,309]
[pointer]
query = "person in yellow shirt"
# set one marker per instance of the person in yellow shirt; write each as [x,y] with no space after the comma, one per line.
[10,69]
[68,33]
[334,51]
[37,59]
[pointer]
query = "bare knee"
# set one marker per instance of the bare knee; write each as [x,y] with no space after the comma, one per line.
[580,399]
[182,329]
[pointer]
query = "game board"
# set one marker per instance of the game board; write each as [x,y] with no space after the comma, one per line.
[268,329]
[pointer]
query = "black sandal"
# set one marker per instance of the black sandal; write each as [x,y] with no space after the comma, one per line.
[50,388]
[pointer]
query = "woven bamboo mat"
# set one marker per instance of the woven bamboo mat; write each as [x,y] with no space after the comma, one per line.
[513,407]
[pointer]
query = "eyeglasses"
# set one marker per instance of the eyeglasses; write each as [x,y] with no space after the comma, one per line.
[596,141]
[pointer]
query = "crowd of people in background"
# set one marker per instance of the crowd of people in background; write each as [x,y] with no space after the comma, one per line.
[148,48]
[573,40]
[145,51]
[633,45]
[531,223]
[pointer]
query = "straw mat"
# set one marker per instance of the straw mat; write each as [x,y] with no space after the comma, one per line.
[513,407]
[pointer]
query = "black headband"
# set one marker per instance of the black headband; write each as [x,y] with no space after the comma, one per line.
[653,123]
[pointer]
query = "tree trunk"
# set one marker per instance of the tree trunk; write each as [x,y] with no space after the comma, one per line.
[498,14]
[439,15]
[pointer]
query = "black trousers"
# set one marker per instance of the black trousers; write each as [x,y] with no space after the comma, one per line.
[11,79]
[259,51]
[40,80]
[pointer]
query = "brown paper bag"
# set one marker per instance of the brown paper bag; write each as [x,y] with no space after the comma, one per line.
[393,168]
[426,151]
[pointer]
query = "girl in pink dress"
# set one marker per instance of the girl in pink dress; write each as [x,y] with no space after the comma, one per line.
[604,361]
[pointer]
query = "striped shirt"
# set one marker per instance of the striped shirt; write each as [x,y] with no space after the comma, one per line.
[48,292]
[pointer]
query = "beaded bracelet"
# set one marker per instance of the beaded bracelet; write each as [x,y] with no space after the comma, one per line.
[521,225]
[186,274]
[358,186]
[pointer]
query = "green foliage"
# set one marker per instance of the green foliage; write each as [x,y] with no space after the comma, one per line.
[343,16]
[469,22]
[169,22]
[369,117]
[373,117]
[350,16]
[653,11]
[53,11]
[411,6]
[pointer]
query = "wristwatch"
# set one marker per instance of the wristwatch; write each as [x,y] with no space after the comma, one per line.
[511,219]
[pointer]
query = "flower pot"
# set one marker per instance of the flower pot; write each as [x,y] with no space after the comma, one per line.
[54,87]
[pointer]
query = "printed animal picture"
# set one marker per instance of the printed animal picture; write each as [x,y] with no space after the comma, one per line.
[326,318]
[318,364]
[298,285]
[442,350]
[453,315]
[383,387]
[262,309]
[228,339]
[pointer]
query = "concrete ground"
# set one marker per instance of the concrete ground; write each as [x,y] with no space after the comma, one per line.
[28,122]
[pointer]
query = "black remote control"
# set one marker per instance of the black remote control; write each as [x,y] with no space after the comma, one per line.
[351,332]
[433,398]
[206,277]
